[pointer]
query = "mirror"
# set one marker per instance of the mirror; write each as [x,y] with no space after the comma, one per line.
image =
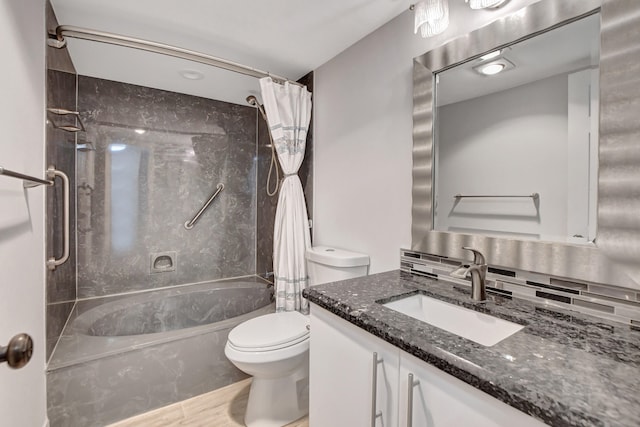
[613,257]
[516,138]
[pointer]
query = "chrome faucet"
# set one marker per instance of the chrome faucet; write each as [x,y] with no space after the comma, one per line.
[478,272]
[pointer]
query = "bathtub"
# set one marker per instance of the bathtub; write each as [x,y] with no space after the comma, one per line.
[121,356]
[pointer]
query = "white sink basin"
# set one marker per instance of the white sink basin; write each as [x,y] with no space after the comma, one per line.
[478,327]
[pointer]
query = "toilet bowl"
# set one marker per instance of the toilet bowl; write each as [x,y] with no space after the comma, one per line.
[274,349]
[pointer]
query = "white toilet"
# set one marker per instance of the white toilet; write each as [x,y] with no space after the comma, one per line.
[274,348]
[327,264]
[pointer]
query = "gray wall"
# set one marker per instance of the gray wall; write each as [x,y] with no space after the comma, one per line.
[60,152]
[479,146]
[139,189]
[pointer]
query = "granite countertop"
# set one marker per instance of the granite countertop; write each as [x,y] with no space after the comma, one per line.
[564,368]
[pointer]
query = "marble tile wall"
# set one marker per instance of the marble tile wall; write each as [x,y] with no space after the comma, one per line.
[151,160]
[102,391]
[57,59]
[267,205]
[306,170]
[60,152]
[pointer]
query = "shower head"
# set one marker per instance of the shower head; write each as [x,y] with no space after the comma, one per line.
[252,100]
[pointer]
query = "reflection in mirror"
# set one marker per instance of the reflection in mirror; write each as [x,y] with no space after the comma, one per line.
[516,136]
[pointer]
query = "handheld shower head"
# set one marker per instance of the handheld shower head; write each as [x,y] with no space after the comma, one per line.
[252,100]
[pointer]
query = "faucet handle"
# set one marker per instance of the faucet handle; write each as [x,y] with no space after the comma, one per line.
[478,258]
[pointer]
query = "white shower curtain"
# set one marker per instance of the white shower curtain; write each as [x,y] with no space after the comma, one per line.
[288,109]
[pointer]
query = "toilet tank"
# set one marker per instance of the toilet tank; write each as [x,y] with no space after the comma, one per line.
[328,264]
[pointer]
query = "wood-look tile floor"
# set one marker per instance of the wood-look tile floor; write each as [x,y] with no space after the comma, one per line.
[220,408]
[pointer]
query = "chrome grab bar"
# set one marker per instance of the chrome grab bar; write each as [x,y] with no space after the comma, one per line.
[189,224]
[374,388]
[28,181]
[534,196]
[410,386]
[52,262]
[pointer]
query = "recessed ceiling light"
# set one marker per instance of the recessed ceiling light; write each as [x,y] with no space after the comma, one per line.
[491,55]
[140,131]
[491,69]
[192,74]
[494,67]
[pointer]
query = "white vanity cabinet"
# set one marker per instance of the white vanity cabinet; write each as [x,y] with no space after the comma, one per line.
[438,399]
[342,376]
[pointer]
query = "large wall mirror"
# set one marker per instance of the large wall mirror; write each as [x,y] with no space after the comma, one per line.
[509,154]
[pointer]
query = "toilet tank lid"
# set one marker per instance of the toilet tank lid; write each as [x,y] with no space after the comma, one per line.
[336,257]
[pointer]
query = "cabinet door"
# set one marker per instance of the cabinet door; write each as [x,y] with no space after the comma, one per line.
[441,400]
[342,375]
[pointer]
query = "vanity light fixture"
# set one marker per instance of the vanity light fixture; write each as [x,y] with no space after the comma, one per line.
[485,4]
[140,131]
[494,67]
[431,17]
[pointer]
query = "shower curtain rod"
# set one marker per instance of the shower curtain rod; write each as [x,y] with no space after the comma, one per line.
[164,49]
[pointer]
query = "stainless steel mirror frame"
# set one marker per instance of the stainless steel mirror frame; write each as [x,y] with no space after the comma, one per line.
[615,259]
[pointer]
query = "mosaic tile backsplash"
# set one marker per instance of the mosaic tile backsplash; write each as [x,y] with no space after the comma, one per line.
[609,302]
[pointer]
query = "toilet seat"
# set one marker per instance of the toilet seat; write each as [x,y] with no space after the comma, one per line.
[270,332]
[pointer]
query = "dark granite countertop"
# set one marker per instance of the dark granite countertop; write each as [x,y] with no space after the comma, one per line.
[564,368]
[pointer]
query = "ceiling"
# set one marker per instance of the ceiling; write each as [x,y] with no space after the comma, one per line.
[284,37]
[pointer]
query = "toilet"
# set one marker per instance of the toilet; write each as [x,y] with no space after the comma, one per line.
[328,264]
[274,348]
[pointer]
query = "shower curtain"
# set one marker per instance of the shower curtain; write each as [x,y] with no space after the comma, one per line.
[288,109]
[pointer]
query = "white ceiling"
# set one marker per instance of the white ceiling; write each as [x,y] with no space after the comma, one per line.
[284,37]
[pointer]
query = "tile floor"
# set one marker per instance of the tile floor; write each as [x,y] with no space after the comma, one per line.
[220,408]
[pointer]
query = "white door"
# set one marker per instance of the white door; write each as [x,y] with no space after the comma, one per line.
[22,100]
[342,375]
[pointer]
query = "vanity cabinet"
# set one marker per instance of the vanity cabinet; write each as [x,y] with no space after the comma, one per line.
[437,399]
[342,377]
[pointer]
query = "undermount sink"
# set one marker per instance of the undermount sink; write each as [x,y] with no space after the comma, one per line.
[478,327]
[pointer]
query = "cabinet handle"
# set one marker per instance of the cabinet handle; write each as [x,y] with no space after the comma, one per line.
[410,385]
[374,385]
